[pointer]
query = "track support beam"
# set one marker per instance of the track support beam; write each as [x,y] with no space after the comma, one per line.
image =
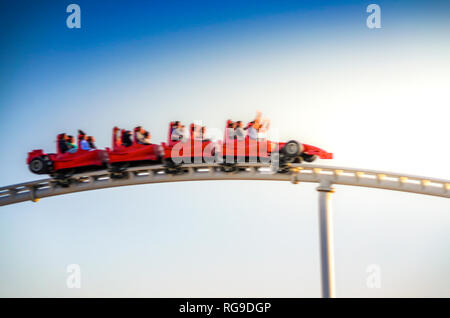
[326,239]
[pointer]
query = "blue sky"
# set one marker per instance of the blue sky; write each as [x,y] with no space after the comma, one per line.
[378,99]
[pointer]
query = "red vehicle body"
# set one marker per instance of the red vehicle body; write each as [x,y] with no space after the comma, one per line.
[261,149]
[187,151]
[172,153]
[122,157]
[82,160]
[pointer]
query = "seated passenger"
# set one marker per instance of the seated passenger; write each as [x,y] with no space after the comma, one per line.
[174,125]
[231,128]
[252,131]
[62,143]
[264,126]
[91,141]
[139,132]
[177,132]
[71,144]
[239,132]
[140,136]
[126,138]
[147,138]
[84,143]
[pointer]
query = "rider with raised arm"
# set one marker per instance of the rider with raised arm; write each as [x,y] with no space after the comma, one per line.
[258,126]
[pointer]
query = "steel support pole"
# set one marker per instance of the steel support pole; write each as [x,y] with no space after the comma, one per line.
[326,239]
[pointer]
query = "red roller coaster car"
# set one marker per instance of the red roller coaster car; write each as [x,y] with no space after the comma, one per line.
[66,163]
[121,157]
[187,151]
[248,149]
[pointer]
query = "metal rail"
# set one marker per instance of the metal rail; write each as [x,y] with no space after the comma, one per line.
[296,173]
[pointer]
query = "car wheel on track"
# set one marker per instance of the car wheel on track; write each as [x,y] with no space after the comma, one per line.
[38,166]
[285,159]
[228,167]
[65,183]
[168,162]
[292,149]
[119,175]
[309,158]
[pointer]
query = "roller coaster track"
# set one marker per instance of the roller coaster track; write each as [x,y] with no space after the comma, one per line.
[296,173]
[325,176]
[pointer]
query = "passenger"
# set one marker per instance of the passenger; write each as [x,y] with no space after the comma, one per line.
[264,126]
[252,132]
[231,130]
[257,122]
[177,132]
[62,142]
[258,126]
[126,138]
[140,135]
[262,132]
[91,141]
[174,125]
[71,144]
[261,125]
[84,143]
[239,132]
[147,138]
